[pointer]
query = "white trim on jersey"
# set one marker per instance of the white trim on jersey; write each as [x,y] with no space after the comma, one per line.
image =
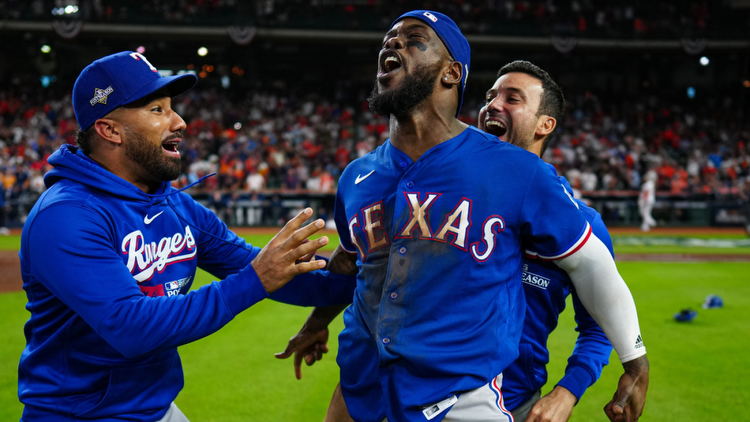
[570,251]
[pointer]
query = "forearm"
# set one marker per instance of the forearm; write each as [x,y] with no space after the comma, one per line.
[606,296]
[318,288]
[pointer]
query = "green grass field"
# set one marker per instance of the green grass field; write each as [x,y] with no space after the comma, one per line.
[699,370]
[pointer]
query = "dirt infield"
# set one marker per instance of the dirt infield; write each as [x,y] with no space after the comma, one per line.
[10,268]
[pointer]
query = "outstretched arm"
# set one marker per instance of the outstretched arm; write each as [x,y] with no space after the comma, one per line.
[607,298]
[310,343]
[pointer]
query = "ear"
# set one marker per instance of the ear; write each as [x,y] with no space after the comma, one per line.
[109,130]
[545,125]
[452,74]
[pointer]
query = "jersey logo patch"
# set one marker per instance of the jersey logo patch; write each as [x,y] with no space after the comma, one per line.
[638,342]
[149,220]
[535,280]
[360,178]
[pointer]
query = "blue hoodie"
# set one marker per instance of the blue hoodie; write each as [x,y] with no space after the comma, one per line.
[107,270]
[546,286]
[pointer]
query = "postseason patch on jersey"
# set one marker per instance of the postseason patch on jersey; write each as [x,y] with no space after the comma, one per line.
[173,287]
[535,280]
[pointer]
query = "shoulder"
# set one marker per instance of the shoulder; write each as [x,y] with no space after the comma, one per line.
[376,159]
[487,147]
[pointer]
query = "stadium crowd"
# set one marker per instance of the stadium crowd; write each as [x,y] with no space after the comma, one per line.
[274,143]
[625,19]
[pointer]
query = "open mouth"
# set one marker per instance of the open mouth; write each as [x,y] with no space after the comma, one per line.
[495,127]
[389,62]
[171,146]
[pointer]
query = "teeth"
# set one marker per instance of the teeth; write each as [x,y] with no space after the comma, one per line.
[495,123]
[391,59]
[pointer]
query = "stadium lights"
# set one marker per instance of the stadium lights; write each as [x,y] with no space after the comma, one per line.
[691,92]
[67,10]
[46,49]
[46,80]
[202,51]
[704,61]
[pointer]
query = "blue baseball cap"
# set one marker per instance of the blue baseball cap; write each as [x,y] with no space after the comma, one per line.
[451,37]
[117,80]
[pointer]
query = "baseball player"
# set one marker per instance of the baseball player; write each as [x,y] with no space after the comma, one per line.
[109,253]
[523,107]
[435,220]
[647,199]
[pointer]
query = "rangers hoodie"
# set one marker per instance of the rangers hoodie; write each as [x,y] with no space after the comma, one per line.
[107,270]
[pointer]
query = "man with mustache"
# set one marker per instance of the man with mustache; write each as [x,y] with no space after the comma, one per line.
[109,253]
[433,223]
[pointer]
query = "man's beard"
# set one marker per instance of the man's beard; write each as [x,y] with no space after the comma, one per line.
[150,158]
[514,138]
[415,88]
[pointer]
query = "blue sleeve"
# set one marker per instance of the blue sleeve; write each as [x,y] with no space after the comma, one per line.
[590,354]
[223,253]
[551,223]
[592,349]
[342,224]
[85,271]
[220,251]
[317,288]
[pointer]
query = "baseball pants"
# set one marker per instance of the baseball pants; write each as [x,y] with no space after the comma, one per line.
[484,404]
[174,414]
[520,413]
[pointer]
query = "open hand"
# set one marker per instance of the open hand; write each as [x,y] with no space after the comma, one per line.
[278,262]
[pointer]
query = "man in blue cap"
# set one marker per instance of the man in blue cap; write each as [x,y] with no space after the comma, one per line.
[109,253]
[434,223]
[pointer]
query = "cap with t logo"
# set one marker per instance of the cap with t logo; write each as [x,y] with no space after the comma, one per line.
[120,79]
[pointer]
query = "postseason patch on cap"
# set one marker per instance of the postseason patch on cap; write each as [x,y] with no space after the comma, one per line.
[100,95]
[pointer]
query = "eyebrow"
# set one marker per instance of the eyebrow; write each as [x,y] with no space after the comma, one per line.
[512,89]
[406,28]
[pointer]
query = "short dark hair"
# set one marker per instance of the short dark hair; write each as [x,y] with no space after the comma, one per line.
[85,140]
[553,101]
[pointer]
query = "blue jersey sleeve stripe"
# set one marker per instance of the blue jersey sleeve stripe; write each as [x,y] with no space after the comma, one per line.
[576,246]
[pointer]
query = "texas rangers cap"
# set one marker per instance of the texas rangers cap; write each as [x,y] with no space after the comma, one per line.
[451,37]
[120,79]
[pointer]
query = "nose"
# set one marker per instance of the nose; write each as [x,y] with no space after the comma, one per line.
[495,104]
[395,42]
[176,122]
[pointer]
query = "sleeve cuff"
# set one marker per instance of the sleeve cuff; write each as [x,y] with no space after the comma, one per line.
[242,290]
[576,380]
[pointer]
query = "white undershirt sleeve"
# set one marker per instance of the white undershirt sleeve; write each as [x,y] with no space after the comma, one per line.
[606,296]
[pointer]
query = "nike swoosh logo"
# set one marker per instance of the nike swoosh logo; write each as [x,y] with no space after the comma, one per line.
[361,178]
[149,220]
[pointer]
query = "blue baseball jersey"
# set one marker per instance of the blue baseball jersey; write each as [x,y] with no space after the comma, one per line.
[439,249]
[546,286]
